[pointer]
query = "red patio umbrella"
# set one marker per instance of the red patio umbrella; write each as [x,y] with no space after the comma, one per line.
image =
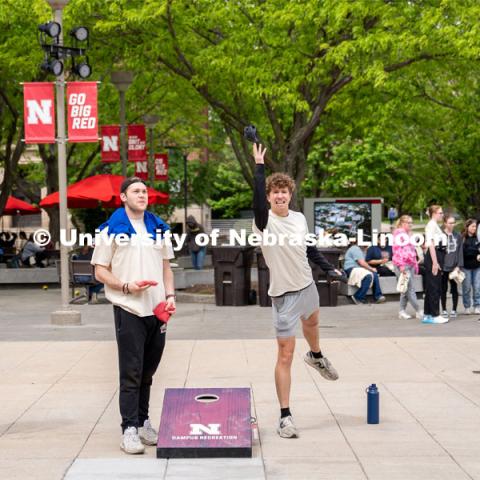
[103,189]
[15,206]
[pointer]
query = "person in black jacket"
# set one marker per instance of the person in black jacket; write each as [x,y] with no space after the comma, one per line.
[471,268]
[453,260]
[293,291]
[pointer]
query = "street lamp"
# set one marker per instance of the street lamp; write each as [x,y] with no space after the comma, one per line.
[65,316]
[122,81]
[150,121]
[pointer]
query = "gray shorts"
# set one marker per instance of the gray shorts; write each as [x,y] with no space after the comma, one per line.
[291,307]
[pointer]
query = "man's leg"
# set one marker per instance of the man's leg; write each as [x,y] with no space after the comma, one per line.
[283,379]
[310,331]
[361,293]
[376,290]
[131,334]
[154,347]
[314,358]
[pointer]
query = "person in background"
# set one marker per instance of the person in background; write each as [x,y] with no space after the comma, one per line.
[86,253]
[20,242]
[453,260]
[433,266]
[356,266]
[196,251]
[392,214]
[31,249]
[405,261]
[380,257]
[471,268]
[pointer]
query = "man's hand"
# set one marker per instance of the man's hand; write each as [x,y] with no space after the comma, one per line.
[259,153]
[170,307]
[435,269]
[134,287]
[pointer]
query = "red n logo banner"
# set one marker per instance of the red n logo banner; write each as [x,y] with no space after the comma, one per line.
[82,112]
[39,112]
[110,143]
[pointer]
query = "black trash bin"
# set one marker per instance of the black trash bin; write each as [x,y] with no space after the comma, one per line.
[264,299]
[327,291]
[232,266]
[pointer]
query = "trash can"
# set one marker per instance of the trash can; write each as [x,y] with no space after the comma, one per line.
[232,267]
[327,291]
[264,299]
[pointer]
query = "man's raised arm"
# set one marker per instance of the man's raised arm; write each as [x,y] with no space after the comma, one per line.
[260,206]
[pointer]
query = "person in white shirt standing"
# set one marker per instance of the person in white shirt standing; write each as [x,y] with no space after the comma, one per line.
[434,257]
[293,291]
[135,269]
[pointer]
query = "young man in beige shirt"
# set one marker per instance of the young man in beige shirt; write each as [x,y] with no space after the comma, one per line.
[293,291]
[124,259]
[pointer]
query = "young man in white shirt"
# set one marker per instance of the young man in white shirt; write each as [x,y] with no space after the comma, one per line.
[124,259]
[293,291]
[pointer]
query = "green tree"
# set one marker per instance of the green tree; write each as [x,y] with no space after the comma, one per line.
[282,64]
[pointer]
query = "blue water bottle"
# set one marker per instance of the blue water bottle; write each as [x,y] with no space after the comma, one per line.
[373,404]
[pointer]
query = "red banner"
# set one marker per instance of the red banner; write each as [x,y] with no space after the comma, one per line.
[110,143]
[141,169]
[39,112]
[137,143]
[161,166]
[82,112]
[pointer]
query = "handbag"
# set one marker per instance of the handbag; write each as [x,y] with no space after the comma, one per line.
[457,275]
[402,283]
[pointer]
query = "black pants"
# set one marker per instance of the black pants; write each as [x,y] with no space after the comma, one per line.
[453,291]
[433,285]
[140,347]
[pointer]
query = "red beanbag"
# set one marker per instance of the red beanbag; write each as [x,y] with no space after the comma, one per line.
[160,312]
[144,283]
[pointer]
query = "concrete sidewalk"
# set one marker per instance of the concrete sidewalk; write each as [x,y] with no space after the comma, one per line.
[59,416]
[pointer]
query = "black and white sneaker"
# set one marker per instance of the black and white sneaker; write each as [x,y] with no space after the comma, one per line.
[286,428]
[321,365]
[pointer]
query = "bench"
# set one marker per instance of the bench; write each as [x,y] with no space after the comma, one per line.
[388,285]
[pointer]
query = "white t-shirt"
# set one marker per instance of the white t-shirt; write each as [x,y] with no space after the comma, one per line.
[433,233]
[133,262]
[288,264]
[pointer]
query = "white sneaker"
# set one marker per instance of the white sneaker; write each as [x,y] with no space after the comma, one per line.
[453,314]
[403,315]
[477,310]
[419,315]
[468,311]
[131,441]
[444,314]
[286,428]
[148,435]
[440,319]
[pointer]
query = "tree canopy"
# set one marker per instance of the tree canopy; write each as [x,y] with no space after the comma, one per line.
[372,97]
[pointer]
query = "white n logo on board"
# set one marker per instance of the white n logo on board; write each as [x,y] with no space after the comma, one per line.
[199,429]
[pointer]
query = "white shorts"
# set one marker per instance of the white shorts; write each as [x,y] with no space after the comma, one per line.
[288,309]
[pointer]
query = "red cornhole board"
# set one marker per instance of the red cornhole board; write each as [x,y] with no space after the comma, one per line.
[205,422]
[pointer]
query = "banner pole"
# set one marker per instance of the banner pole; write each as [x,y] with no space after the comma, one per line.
[64,316]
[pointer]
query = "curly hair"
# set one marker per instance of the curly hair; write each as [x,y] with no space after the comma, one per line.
[280,180]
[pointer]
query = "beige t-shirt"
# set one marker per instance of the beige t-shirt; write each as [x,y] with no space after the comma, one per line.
[288,264]
[433,233]
[133,262]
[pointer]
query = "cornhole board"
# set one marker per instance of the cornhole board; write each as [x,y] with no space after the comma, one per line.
[205,423]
